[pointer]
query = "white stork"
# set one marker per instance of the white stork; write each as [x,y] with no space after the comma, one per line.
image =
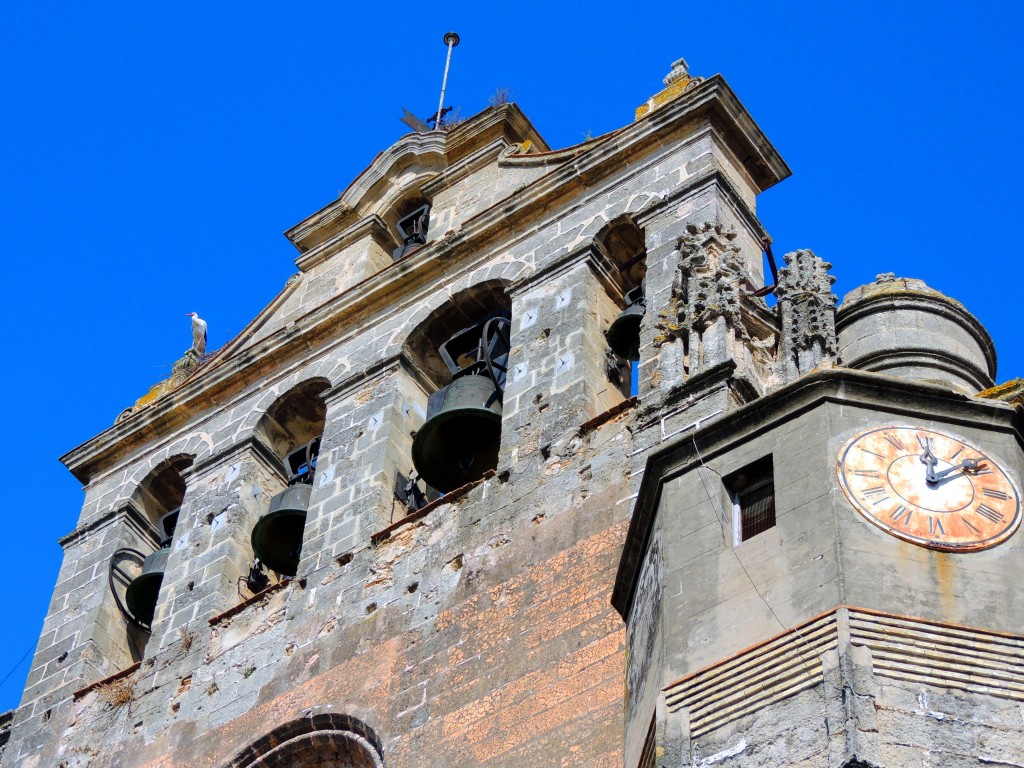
[198,334]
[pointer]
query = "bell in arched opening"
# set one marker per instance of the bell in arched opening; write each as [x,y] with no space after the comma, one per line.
[459,441]
[144,590]
[277,535]
[623,335]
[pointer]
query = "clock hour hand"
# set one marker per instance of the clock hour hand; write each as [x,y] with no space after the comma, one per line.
[929,460]
[967,465]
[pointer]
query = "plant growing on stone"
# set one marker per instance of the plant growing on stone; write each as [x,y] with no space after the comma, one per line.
[117,693]
[187,638]
[502,95]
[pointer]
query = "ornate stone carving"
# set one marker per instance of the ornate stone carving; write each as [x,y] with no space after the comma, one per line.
[710,282]
[807,313]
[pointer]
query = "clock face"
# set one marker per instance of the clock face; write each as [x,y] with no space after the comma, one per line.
[929,488]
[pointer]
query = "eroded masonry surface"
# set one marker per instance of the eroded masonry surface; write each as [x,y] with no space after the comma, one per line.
[525,466]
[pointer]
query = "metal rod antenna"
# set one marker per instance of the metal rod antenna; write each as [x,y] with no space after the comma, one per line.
[451,40]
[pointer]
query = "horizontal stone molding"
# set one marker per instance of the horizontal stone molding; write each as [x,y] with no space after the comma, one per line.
[912,650]
[755,678]
[941,655]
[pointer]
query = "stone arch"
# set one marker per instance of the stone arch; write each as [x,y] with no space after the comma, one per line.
[294,418]
[462,309]
[325,741]
[162,490]
[622,242]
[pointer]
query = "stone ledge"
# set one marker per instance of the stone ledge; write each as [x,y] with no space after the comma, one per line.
[383,535]
[234,611]
[107,680]
[611,413]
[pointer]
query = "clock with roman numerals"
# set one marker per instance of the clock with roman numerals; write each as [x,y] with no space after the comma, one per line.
[929,488]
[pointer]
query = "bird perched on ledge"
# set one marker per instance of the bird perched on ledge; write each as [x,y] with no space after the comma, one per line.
[198,334]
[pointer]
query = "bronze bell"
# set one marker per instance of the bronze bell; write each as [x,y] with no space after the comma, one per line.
[144,590]
[623,335]
[142,593]
[458,444]
[277,535]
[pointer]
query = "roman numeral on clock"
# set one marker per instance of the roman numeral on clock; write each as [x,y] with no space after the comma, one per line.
[895,442]
[992,493]
[968,524]
[866,473]
[876,455]
[935,526]
[878,494]
[989,514]
[901,512]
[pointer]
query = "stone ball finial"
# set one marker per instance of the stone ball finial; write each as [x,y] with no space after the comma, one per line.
[680,69]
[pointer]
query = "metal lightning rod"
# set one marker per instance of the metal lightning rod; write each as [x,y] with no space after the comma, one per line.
[451,40]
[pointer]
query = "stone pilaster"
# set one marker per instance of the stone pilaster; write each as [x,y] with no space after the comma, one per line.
[211,549]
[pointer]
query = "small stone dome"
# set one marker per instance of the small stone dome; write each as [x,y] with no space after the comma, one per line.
[901,327]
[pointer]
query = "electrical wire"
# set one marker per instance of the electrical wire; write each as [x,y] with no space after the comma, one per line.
[18,663]
[721,522]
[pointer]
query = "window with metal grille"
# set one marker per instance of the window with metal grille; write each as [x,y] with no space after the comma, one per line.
[753,497]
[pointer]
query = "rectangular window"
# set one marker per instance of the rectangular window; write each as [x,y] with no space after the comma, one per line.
[753,497]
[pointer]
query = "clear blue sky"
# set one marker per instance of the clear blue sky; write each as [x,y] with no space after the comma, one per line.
[152,153]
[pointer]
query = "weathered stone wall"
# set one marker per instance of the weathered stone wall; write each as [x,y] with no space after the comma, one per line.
[478,633]
[761,652]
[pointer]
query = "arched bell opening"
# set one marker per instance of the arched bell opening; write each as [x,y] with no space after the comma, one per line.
[292,428]
[460,354]
[409,222]
[158,497]
[622,243]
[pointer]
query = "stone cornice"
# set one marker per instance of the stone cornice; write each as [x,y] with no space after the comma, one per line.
[409,280]
[439,150]
[370,226]
[886,394]
[125,512]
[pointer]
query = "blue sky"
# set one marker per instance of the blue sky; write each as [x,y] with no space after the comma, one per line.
[152,154]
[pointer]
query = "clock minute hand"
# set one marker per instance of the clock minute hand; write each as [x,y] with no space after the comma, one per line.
[967,464]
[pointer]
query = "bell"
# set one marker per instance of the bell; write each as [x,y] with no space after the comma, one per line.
[458,444]
[623,335]
[144,589]
[277,535]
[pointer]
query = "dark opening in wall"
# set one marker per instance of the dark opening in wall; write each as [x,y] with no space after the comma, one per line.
[622,244]
[292,429]
[159,498]
[460,356]
[753,496]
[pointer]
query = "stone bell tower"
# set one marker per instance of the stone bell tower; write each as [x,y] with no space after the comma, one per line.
[413,515]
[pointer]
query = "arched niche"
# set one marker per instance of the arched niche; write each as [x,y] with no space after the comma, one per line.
[408,221]
[321,741]
[622,245]
[621,241]
[463,309]
[162,492]
[291,428]
[295,418]
[461,398]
